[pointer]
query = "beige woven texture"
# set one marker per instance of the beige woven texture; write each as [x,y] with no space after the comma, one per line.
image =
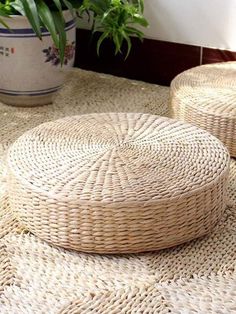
[35,278]
[205,96]
[117,182]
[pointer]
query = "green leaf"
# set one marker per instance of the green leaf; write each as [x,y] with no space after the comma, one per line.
[133,31]
[48,21]
[126,37]
[139,19]
[18,6]
[139,4]
[118,40]
[99,7]
[5,8]
[3,12]
[3,22]
[107,13]
[118,20]
[58,5]
[31,13]
[60,27]
[100,40]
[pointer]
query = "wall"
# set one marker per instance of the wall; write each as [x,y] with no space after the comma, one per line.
[208,23]
[180,32]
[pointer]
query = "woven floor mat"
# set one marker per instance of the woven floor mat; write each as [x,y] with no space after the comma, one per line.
[36,278]
[90,92]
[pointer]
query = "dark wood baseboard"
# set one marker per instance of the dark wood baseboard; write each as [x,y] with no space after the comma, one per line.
[152,61]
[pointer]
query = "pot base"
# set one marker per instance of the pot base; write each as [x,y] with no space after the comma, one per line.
[27,101]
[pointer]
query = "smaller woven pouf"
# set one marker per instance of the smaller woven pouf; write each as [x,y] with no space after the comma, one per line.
[116,183]
[206,97]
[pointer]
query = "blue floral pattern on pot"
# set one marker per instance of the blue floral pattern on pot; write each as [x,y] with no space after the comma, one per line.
[52,54]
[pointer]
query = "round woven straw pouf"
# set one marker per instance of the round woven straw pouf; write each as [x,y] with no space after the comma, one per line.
[118,182]
[206,97]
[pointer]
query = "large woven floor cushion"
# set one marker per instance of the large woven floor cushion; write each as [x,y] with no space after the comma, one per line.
[117,182]
[206,97]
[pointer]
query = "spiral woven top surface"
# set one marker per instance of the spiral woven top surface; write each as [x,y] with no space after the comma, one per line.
[212,85]
[197,277]
[114,157]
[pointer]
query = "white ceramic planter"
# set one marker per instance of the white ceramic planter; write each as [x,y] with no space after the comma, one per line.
[30,71]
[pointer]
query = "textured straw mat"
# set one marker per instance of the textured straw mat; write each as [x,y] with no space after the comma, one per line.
[197,277]
[205,96]
[117,182]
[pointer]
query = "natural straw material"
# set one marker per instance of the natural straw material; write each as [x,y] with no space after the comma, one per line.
[206,97]
[37,278]
[199,276]
[117,182]
[89,92]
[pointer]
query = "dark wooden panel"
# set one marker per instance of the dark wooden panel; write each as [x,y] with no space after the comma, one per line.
[217,55]
[151,61]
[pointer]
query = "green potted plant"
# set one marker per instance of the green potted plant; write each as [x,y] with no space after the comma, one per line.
[32,69]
